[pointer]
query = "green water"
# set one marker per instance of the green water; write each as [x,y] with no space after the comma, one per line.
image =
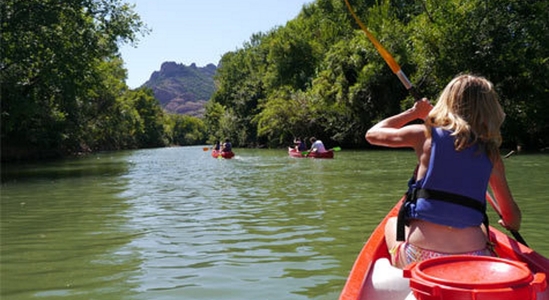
[174,223]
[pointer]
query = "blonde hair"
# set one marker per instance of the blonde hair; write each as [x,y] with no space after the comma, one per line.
[469,107]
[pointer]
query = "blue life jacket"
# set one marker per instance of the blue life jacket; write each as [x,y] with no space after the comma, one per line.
[228,147]
[453,191]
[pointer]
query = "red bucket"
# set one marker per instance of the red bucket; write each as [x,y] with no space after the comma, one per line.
[463,277]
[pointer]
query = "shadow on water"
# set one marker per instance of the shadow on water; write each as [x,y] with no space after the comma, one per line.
[63,232]
[94,165]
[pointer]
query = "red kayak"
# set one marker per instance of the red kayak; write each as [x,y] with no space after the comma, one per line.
[220,154]
[306,154]
[517,273]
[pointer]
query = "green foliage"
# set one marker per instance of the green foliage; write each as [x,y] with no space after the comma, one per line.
[110,118]
[319,75]
[60,72]
[214,111]
[63,91]
[505,41]
[187,130]
[62,82]
[151,118]
[290,60]
[281,119]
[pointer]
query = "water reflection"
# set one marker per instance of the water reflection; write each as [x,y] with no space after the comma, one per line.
[241,228]
[62,227]
[173,223]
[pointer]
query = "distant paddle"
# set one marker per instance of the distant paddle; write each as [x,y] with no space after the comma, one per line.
[306,153]
[509,154]
[206,148]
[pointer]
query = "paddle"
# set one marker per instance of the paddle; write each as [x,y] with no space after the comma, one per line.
[495,205]
[515,233]
[206,148]
[395,67]
[306,153]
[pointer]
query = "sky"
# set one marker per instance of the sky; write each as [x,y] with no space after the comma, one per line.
[199,31]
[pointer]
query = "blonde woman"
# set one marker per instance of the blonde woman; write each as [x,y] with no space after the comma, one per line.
[458,157]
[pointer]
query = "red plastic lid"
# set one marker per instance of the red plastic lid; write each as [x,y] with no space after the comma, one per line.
[473,272]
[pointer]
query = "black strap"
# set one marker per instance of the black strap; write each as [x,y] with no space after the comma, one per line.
[401,219]
[451,198]
[414,194]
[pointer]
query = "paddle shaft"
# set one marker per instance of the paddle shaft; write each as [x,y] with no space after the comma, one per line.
[495,205]
[395,67]
[306,153]
[515,233]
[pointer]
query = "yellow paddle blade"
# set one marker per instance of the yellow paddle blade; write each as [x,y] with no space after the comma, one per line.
[384,53]
[395,67]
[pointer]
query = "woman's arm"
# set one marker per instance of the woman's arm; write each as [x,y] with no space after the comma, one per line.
[508,208]
[392,132]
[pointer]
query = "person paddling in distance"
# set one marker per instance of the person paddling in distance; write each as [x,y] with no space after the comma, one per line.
[299,145]
[317,145]
[227,147]
[458,157]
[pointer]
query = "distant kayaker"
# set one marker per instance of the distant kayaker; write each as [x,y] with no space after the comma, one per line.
[458,157]
[300,145]
[227,147]
[317,145]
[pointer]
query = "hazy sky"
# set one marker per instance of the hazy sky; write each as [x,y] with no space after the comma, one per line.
[199,31]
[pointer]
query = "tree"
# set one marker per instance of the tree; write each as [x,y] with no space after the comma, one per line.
[188,130]
[151,117]
[319,75]
[52,55]
[505,41]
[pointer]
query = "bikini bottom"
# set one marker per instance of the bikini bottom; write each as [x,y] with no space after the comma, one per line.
[405,253]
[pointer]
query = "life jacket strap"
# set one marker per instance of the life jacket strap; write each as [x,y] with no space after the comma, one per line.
[415,194]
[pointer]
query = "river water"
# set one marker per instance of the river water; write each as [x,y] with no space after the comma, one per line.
[175,223]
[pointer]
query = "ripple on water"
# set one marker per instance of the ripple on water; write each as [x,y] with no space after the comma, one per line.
[174,223]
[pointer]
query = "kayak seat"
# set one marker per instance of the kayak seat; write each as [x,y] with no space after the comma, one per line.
[388,282]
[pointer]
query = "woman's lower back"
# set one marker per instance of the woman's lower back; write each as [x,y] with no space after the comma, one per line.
[446,239]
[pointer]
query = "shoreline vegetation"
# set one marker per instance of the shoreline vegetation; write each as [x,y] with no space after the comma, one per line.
[63,87]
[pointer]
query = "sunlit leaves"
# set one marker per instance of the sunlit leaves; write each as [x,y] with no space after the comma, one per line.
[187,130]
[59,70]
[323,61]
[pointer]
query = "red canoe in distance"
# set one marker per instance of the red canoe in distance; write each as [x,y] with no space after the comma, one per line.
[220,154]
[306,154]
